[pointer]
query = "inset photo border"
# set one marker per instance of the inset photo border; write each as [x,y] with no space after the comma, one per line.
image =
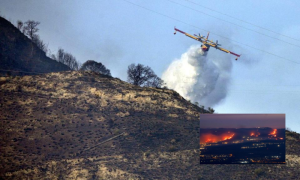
[242,139]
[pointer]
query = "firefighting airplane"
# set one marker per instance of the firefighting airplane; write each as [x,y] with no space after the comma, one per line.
[207,43]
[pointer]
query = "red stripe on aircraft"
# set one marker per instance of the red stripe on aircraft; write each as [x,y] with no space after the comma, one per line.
[179,31]
[234,54]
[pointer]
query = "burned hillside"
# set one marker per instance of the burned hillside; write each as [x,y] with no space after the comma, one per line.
[86,125]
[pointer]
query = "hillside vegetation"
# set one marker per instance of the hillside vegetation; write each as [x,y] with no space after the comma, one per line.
[84,125]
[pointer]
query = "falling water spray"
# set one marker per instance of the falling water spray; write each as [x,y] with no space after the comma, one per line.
[199,78]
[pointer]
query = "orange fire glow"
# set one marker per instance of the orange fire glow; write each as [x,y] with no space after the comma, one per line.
[211,138]
[256,134]
[274,132]
[228,137]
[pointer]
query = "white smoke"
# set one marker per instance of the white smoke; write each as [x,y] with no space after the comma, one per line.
[199,78]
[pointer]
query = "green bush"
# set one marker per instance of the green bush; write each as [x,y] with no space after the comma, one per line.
[117,131]
[147,154]
[172,149]
[259,171]
[200,177]
[19,88]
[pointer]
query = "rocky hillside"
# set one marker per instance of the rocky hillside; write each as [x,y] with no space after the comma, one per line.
[19,53]
[82,125]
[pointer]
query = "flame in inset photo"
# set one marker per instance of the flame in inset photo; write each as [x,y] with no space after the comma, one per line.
[256,134]
[211,138]
[274,132]
[208,138]
[228,137]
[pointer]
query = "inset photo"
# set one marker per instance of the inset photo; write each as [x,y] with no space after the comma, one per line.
[242,139]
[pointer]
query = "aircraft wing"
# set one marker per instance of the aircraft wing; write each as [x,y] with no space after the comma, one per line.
[227,51]
[211,44]
[191,36]
[222,49]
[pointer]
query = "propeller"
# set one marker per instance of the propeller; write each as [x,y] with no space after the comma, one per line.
[201,36]
[217,43]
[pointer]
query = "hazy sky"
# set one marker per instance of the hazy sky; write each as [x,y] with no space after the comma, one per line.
[275,121]
[118,33]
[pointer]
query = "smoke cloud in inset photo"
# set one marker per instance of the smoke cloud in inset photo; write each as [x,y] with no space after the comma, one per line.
[275,121]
